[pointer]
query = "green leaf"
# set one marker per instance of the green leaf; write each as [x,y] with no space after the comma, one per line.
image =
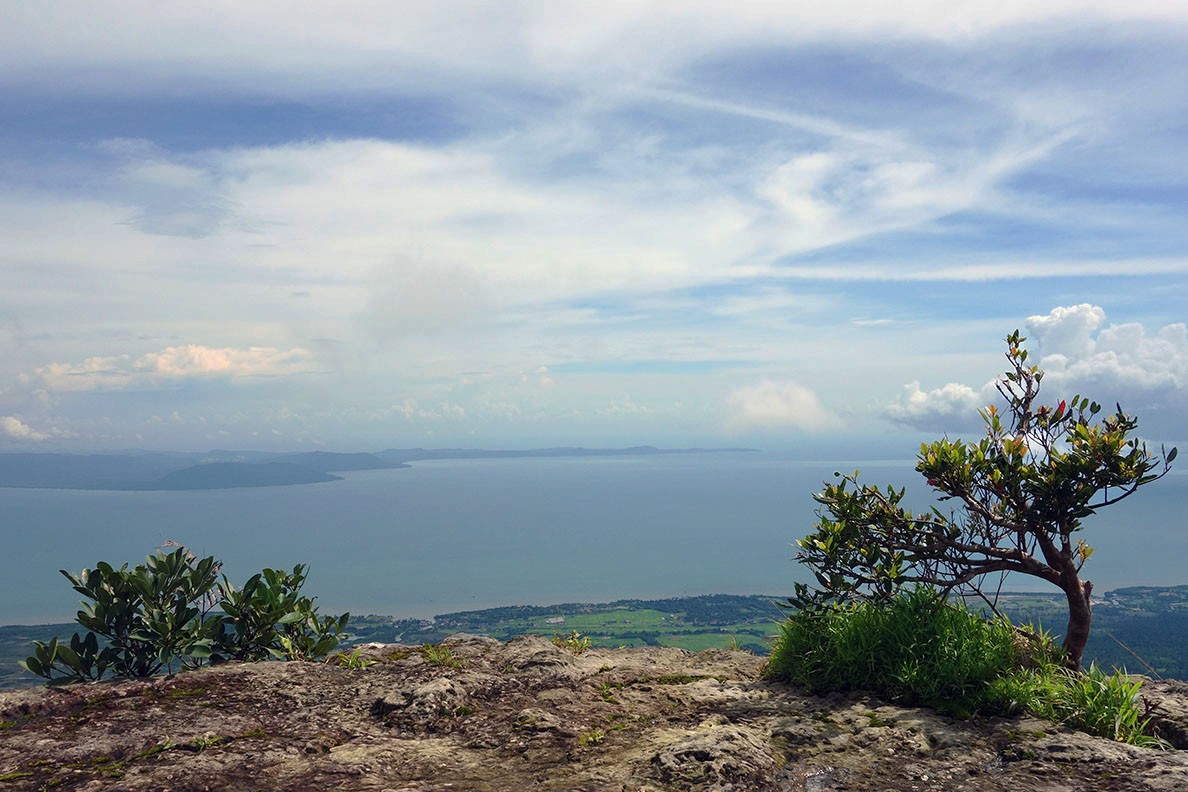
[34,666]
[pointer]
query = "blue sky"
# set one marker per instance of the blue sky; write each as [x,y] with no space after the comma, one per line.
[524,224]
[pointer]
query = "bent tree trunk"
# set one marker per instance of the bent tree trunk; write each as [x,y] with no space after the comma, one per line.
[1080,618]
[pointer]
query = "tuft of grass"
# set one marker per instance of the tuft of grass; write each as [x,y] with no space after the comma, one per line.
[1091,701]
[352,659]
[437,654]
[917,649]
[914,649]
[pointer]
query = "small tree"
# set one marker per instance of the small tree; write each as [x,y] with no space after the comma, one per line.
[1021,494]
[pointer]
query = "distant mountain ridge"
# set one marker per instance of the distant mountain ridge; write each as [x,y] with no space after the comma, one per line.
[222,469]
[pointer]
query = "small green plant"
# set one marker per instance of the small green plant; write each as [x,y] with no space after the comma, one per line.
[438,654]
[604,692]
[592,737]
[171,613]
[203,743]
[575,642]
[735,646]
[354,659]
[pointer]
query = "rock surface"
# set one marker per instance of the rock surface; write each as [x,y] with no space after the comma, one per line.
[530,715]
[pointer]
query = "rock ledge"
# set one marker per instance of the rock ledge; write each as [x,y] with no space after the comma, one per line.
[529,715]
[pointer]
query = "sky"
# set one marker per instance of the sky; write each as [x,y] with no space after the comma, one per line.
[518,224]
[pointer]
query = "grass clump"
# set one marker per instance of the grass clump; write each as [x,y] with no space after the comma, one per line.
[440,655]
[917,649]
[914,649]
[575,642]
[1091,701]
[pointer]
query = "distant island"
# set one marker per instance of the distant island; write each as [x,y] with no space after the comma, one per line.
[219,469]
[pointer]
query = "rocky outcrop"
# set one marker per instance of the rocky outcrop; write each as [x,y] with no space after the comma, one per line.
[530,715]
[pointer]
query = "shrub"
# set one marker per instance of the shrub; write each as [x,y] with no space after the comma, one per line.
[915,648]
[162,614]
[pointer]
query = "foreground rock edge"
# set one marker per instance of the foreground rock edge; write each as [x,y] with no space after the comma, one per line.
[529,714]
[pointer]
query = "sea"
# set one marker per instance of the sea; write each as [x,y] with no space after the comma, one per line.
[450,535]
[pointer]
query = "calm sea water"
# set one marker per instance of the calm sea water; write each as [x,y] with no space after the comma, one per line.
[463,534]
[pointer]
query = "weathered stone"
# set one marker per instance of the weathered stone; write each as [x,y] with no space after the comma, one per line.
[531,715]
[715,756]
[1168,701]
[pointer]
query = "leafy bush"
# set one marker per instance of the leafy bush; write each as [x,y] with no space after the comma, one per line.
[915,648]
[172,611]
[269,619]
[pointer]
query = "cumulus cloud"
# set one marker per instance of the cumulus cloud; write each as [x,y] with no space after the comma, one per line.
[16,429]
[776,404]
[951,406]
[171,364]
[1066,331]
[1147,373]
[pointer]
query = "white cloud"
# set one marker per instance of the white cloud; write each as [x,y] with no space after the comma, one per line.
[1066,331]
[361,45]
[411,410]
[952,406]
[171,364]
[577,185]
[775,404]
[17,429]
[1146,373]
